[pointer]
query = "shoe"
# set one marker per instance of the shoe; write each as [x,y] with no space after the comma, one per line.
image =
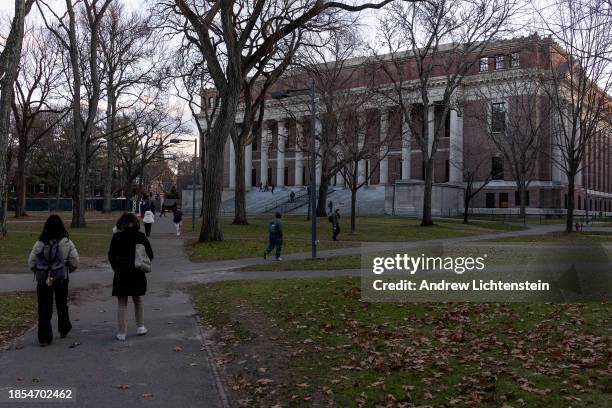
[44,344]
[265,255]
[141,331]
[279,259]
[63,335]
[120,336]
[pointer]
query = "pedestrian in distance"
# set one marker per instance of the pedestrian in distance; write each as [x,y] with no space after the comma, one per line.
[275,237]
[152,208]
[130,255]
[52,259]
[291,197]
[260,186]
[272,188]
[330,205]
[178,220]
[335,221]
[149,219]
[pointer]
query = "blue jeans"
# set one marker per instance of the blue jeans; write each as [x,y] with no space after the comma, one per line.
[275,242]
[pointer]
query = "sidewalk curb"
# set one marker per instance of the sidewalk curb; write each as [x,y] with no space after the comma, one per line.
[220,383]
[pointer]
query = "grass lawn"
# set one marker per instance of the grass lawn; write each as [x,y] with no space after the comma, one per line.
[18,312]
[585,237]
[243,241]
[92,241]
[297,342]
[339,262]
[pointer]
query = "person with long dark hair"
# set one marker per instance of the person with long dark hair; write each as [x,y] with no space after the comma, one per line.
[126,260]
[53,257]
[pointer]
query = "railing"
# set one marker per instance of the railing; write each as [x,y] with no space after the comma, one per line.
[286,205]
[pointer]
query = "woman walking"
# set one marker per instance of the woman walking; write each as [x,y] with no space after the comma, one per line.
[149,219]
[52,258]
[127,249]
[178,219]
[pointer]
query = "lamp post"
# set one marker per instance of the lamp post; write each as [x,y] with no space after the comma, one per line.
[193,184]
[313,156]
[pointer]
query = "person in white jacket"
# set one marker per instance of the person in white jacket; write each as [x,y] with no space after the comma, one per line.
[54,235]
[148,220]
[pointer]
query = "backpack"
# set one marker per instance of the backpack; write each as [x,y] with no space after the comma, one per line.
[273,228]
[50,263]
[330,219]
[178,216]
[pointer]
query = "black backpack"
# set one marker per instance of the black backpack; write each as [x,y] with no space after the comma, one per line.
[50,263]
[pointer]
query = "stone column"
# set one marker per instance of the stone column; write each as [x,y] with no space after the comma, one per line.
[232,165]
[383,169]
[264,154]
[248,164]
[280,154]
[299,155]
[406,149]
[361,165]
[456,148]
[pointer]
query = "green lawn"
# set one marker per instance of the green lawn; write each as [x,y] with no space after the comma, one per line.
[297,342]
[585,237]
[335,263]
[243,241]
[92,241]
[18,312]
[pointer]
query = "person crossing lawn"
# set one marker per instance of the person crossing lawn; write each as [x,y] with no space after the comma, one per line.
[275,236]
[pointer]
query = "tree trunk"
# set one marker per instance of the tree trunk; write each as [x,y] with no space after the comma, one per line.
[58,195]
[569,221]
[22,185]
[466,203]
[110,160]
[240,215]
[8,72]
[427,218]
[213,181]
[353,208]
[522,192]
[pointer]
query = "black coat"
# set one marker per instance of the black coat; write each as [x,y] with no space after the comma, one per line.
[128,281]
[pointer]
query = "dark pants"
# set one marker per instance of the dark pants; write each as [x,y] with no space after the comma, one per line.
[45,309]
[148,228]
[275,242]
[335,231]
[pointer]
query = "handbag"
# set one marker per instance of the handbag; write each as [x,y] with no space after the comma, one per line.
[141,259]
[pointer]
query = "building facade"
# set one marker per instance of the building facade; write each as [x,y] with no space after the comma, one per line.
[279,155]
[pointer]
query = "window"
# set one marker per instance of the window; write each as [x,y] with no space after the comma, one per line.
[499,62]
[498,117]
[503,200]
[579,203]
[497,168]
[490,200]
[447,171]
[517,199]
[254,144]
[483,64]
[516,60]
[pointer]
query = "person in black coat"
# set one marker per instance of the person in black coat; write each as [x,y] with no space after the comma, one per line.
[128,281]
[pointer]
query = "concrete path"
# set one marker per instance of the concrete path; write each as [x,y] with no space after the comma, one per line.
[169,367]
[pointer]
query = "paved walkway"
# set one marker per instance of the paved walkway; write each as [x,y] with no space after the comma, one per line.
[168,367]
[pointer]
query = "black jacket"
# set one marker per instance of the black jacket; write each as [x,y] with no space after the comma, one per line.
[128,281]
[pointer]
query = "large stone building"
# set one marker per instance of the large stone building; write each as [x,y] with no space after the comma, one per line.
[465,144]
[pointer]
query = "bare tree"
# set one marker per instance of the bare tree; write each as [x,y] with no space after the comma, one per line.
[516,124]
[80,38]
[128,47]
[438,40]
[35,107]
[9,63]
[577,82]
[144,138]
[221,30]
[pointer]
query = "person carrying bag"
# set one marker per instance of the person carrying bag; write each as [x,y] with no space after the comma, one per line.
[130,256]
